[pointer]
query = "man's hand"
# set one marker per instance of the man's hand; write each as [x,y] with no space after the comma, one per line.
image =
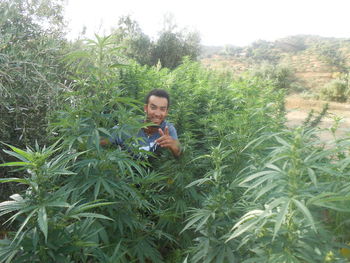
[167,141]
[104,142]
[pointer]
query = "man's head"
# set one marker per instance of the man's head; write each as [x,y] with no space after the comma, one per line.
[157,106]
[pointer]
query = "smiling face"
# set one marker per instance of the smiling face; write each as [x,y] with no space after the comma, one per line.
[156,109]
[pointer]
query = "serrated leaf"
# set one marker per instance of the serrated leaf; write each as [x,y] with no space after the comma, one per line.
[280,218]
[306,212]
[43,222]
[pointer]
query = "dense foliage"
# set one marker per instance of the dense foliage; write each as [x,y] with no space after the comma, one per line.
[245,189]
[168,49]
[31,74]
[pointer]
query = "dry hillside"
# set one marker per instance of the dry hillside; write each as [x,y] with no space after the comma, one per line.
[314,60]
[298,109]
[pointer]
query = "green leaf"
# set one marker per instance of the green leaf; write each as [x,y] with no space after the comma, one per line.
[273,167]
[16,164]
[199,182]
[105,132]
[58,204]
[18,156]
[306,212]
[14,180]
[267,177]
[25,156]
[117,65]
[256,175]
[243,228]
[266,189]
[90,205]
[282,141]
[280,218]
[97,188]
[43,222]
[24,224]
[107,187]
[332,201]
[312,176]
[93,215]
[246,223]
[200,215]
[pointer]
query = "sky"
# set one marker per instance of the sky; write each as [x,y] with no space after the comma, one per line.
[219,22]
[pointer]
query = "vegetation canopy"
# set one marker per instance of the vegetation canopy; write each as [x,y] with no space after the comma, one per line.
[245,188]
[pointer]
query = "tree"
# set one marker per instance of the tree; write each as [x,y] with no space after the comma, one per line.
[31,71]
[292,44]
[262,50]
[331,54]
[137,45]
[173,45]
[169,49]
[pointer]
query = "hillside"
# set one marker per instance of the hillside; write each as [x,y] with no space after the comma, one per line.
[314,60]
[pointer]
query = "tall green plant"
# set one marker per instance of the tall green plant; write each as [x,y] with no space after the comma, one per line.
[30,71]
[48,227]
[114,173]
[292,193]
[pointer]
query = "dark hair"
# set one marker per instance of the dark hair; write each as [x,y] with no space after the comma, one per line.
[158,93]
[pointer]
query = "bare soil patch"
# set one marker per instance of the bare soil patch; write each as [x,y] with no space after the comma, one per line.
[298,109]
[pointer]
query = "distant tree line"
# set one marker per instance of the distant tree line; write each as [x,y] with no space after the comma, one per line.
[168,50]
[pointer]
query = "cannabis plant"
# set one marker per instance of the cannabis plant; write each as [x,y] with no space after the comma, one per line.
[294,193]
[48,228]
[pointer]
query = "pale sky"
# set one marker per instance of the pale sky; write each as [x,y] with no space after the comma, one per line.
[220,22]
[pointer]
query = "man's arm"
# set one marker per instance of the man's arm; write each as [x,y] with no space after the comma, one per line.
[169,142]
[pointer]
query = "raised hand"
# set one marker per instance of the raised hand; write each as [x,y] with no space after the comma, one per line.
[166,141]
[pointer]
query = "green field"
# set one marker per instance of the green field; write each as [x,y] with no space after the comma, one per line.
[245,189]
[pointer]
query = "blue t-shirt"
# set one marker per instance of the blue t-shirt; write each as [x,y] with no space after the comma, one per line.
[145,142]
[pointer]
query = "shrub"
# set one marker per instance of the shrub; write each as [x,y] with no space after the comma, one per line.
[48,227]
[281,76]
[336,90]
[31,73]
[296,189]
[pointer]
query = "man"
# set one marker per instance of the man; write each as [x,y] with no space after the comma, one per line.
[160,134]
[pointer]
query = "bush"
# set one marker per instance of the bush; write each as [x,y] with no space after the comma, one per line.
[281,76]
[49,228]
[293,201]
[31,72]
[336,90]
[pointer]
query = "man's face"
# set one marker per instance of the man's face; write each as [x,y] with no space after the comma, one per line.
[156,109]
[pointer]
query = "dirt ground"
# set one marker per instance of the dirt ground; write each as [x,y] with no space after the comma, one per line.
[298,109]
